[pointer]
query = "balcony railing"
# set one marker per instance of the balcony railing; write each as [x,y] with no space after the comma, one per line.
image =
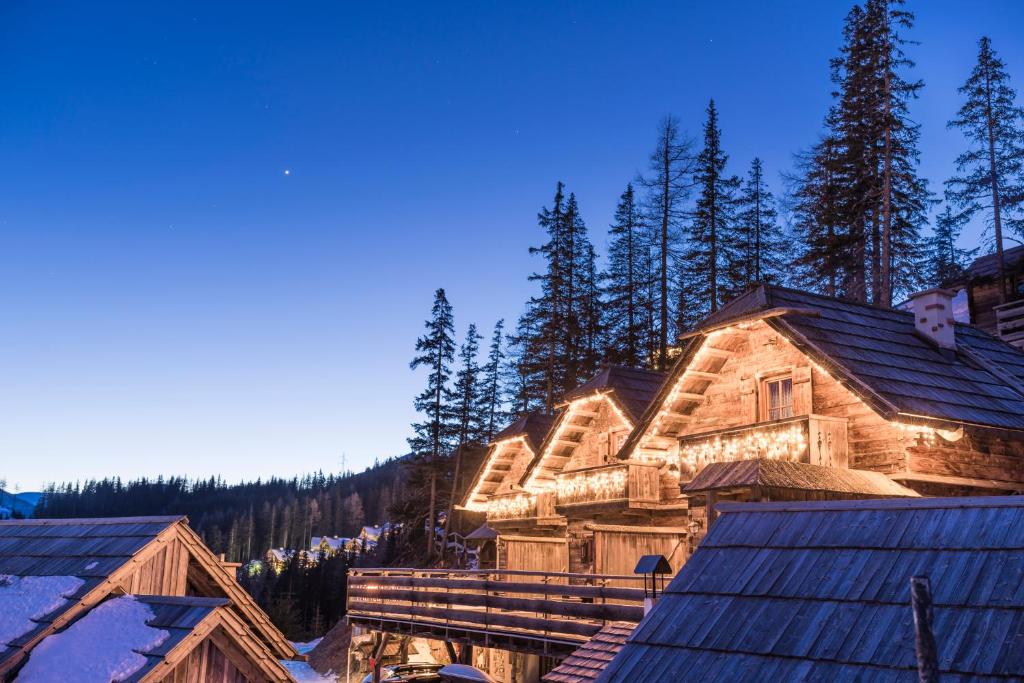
[521,505]
[544,612]
[813,439]
[627,482]
[1010,322]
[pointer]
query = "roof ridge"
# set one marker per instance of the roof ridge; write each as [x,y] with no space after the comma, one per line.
[726,507]
[95,521]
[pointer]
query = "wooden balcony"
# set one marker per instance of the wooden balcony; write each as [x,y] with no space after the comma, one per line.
[521,506]
[627,482]
[813,439]
[1010,322]
[537,612]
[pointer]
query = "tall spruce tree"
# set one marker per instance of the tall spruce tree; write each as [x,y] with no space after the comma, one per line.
[557,337]
[492,388]
[711,239]
[627,285]
[432,438]
[945,261]
[467,405]
[668,186]
[881,203]
[761,251]
[991,171]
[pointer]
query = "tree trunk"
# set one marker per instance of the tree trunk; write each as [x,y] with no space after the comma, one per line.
[996,217]
[665,190]
[885,298]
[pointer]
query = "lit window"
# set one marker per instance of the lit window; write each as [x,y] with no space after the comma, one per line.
[778,394]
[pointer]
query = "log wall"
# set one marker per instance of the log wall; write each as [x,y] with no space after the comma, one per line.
[165,573]
[206,664]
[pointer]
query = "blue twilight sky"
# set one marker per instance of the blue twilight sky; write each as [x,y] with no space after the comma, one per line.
[221,224]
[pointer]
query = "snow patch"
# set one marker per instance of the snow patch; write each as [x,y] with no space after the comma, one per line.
[302,672]
[304,648]
[25,598]
[101,647]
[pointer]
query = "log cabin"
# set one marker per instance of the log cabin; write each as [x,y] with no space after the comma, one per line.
[72,578]
[779,396]
[986,306]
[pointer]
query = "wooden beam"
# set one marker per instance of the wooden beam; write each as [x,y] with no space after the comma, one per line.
[716,352]
[700,374]
[687,396]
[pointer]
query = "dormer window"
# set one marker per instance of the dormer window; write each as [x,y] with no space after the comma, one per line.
[777,393]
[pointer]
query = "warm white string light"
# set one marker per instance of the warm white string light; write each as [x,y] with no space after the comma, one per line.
[497,449]
[774,442]
[593,485]
[515,506]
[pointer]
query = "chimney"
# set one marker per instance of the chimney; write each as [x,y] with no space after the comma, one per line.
[933,316]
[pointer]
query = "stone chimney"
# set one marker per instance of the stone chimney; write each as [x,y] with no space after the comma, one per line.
[933,316]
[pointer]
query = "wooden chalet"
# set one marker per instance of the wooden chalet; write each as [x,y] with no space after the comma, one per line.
[214,630]
[779,396]
[820,591]
[986,307]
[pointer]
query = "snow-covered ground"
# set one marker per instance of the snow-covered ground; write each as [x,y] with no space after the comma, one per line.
[302,671]
[101,647]
[31,597]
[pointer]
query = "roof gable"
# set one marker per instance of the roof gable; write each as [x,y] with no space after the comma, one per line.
[105,552]
[807,589]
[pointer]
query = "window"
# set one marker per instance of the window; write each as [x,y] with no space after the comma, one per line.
[778,398]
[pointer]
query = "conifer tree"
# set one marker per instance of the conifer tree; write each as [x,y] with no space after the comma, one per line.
[432,439]
[467,412]
[492,389]
[668,186]
[817,217]
[711,240]
[761,249]
[946,262]
[626,284]
[991,171]
[557,337]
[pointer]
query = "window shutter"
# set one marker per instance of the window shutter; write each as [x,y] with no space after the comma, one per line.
[802,396]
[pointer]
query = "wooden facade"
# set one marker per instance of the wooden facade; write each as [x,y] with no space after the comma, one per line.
[217,633]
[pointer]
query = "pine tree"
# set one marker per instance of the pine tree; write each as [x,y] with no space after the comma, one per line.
[871,245]
[432,438]
[668,186]
[761,249]
[492,387]
[627,285]
[991,171]
[711,239]
[557,337]
[946,262]
[467,393]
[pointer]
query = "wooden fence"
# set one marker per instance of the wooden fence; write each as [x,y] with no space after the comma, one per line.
[544,612]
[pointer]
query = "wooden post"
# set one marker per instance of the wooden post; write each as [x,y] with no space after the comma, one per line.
[712,500]
[378,655]
[924,637]
[453,657]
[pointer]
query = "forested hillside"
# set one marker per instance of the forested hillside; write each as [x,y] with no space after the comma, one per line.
[242,520]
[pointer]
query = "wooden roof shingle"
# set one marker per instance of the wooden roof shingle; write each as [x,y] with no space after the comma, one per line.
[900,371]
[781,474]
[816,590]
[590,659]
[633,388]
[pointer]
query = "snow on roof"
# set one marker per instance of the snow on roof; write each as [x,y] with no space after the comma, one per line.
[101,647]
[25,598]
[332,542]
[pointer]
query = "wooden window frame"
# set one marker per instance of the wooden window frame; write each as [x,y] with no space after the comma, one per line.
[764,407]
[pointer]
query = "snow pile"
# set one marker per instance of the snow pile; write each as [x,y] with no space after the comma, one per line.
[302,672]
[24,598]
[304,648]
[101,647]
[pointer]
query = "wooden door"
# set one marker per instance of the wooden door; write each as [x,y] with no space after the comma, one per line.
[535,555]
[617,549]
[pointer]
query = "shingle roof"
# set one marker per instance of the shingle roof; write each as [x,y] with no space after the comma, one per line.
[90,549]
[782,474]
[533,426]
[986,267]
[820,590]
[634,388]
[590,659]
[179,617]
[899,371]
